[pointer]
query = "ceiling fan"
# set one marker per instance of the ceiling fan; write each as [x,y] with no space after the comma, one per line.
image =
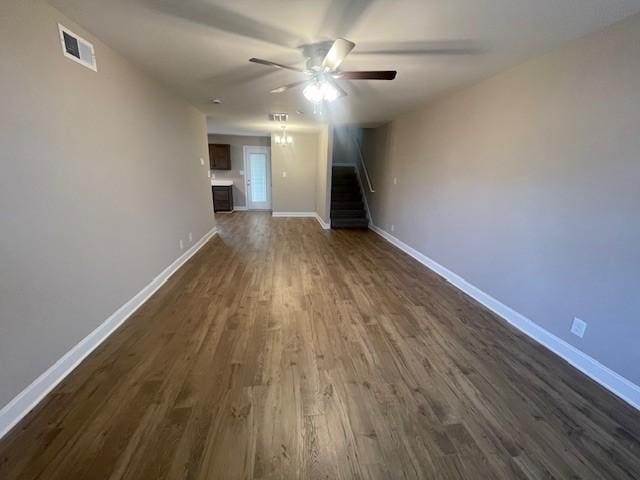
[323,62]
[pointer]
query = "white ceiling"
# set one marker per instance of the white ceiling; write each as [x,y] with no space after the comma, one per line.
[200,48]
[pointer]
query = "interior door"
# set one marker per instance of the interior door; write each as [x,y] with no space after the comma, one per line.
[257,169]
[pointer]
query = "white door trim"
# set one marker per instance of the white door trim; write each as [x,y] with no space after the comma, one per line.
[267,151]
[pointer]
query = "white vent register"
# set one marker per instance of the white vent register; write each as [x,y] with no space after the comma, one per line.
[77,48]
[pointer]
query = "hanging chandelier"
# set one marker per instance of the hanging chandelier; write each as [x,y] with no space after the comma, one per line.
[283,139]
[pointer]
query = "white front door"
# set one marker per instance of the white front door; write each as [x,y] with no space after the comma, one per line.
[257,168]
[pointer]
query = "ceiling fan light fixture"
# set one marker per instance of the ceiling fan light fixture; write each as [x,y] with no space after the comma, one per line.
[320,91]
[329,92]
[312,92]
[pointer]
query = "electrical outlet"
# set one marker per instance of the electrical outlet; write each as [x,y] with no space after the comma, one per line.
[393,227]
[209,173]
[181,244]
[284,174]
[578,327]
[241,172]
[201,161]
[190,236]
[395,180]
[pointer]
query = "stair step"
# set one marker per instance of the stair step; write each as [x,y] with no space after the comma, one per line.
[342,170]
[343,184]
[351,196]
[341,190]
[347,205]
[350,181]
[349,223]
[348,213]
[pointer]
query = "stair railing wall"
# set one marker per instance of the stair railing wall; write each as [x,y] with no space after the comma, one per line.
[362,166]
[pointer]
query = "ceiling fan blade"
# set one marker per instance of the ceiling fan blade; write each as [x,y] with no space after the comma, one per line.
[438,47]
[289,86]
[341,16]
[269,63]
[339,89]
[367,75]
[238,76]
[336,54]
[442,51]
[224,19]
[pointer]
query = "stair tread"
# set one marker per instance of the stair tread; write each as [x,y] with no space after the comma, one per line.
[348,213]
[349,223]
[347,206]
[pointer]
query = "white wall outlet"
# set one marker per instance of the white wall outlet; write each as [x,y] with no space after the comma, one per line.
[578,327]
[190,236]
[284,174]
[241,172]
[395,180]
[209,173]
[393,227]
[201,161]
[181,244]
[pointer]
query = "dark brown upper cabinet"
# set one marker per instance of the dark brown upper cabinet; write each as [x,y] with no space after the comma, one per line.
[219,156]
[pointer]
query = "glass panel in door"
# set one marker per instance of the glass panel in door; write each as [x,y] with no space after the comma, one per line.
[258,169]
[258,178]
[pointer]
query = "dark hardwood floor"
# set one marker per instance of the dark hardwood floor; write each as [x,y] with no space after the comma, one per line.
[283,351]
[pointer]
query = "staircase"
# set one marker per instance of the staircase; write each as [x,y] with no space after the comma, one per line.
[347,207]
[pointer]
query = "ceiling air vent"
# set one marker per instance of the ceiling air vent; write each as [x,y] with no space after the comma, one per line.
[278,117]
[77,48]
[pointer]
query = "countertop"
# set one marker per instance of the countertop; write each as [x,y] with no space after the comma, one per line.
[221,183]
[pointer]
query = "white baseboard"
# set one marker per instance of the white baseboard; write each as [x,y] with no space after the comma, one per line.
[294,214]
[615,383]
[26,400]
[240,209]
[324,225]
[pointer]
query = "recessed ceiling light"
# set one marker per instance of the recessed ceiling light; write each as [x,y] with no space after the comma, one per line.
[216,101]
[300,112]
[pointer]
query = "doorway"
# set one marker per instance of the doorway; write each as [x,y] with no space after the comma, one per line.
[257,167]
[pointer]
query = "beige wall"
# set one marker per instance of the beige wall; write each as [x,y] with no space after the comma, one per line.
[297,191]
[528,186]
[99,180]
[237,143]
[323,180]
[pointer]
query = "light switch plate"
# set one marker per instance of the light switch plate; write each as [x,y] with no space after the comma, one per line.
[284,174]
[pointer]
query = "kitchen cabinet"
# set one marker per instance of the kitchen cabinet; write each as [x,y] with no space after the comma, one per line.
[222,198]
[219,156]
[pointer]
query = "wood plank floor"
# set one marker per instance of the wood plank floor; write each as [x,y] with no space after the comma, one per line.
[282,351]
